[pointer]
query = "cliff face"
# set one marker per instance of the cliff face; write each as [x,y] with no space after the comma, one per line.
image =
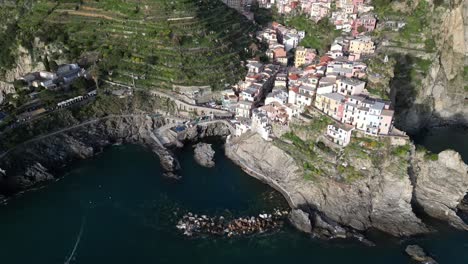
[441,185]
[441,96]
[380,200]
[37,161]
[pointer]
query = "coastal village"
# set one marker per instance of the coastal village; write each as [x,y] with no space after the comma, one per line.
[301,101]
[287,83]
[297,80]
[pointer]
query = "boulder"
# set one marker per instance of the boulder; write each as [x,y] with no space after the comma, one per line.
[300,220]
[204,154]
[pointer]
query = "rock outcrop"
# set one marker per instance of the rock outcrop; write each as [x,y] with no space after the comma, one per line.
[441,185]
[204,155]
[301,220]
[417,253]
[37,161]
[380,200]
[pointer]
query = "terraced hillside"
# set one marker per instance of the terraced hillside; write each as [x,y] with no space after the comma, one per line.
[158,43]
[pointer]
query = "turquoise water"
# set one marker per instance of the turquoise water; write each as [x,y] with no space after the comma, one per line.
[116,208]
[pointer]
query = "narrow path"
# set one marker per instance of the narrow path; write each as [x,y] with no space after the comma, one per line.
[67,129]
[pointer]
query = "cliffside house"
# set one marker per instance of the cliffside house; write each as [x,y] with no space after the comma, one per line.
[340,133]
[261,123]
[243,109]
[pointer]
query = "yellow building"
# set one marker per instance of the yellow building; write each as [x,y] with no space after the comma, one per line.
[362,45]
[331,104]
[299,57]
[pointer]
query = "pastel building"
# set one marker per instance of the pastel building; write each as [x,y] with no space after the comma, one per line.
[350,86]
[340,133]
[243,109]
[261,123]
[366,23]
[362,45]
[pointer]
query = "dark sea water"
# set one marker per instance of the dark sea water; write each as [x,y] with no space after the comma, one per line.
[116,208]
[442,138]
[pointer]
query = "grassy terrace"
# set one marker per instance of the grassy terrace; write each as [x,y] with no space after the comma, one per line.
[182,42]
[319,159]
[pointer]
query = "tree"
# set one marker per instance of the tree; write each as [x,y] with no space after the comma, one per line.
[361,29]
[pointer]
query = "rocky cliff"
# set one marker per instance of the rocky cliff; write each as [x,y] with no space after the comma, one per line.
[441,185]
[441,96]
[381,200]
[39,160]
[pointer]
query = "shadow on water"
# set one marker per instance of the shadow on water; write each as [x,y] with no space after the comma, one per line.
[131,213]
[438,139]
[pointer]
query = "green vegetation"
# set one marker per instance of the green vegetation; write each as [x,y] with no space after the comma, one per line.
[465,77]
[350,173]
[422,65]
[160,43]
[430,45]
[431,156]
[428,155]
[402,151]
[319,35]
[103,106]
[416,22]
[311,172]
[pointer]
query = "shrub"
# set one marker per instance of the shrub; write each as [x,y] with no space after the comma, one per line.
[401,151]
[431,156]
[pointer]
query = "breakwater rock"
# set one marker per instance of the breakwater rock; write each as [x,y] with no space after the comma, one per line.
[195,225]
[204,154]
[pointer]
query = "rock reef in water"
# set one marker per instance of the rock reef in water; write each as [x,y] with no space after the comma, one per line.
[417,253]
[195,225]
[204,155]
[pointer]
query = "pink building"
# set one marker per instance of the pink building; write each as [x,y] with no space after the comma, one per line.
[365,22]
[385,124]
[358,2]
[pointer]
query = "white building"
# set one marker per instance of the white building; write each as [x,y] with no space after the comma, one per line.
[242,127]
[279,96]
[243,109]
[290,41]
[249,94]
[261,123]
[350,86]
[340,133]
[305,96]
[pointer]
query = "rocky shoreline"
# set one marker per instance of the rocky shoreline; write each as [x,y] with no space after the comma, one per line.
[329,210]
[326,209]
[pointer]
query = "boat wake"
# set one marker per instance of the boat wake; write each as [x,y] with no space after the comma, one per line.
[72,254]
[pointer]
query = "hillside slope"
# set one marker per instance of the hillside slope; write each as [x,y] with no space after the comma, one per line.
[158,43]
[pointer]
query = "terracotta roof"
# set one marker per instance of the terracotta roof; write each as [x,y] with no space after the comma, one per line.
[294,89]
[325,59]
[293,77]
